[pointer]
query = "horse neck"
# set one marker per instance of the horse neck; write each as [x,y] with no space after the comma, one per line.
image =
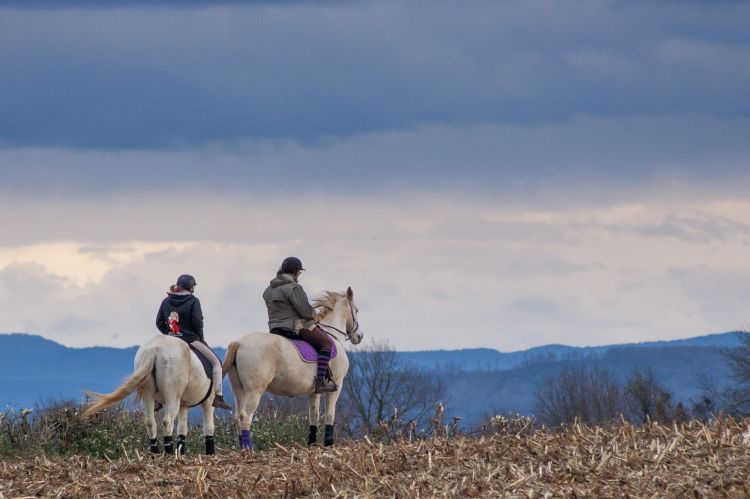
[337,319]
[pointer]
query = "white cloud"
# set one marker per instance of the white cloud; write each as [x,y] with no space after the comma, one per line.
[437,271]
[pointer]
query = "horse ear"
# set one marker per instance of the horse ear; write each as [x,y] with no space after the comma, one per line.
[349,293]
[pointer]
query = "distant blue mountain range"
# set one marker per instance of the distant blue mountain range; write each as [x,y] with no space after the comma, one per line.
[480,382]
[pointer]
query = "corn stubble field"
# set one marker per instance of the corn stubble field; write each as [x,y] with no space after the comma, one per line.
[690,460]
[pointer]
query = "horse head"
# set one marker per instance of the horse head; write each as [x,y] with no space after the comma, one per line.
[340,307]
[353,330]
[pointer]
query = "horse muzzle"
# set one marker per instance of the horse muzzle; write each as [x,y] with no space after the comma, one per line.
[356,338]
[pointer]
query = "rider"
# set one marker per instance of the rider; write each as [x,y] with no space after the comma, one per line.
[290,314]
[180,315]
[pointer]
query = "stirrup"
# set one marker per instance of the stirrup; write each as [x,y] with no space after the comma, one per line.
[219,403]
[325,385]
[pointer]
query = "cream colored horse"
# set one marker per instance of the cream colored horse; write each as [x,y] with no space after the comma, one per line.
[260,362]
[166,370]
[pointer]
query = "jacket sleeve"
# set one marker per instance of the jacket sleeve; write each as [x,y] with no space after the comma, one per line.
[198,319]
[161,324]
[301,304]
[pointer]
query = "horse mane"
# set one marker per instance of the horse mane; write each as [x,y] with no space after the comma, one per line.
[326,303]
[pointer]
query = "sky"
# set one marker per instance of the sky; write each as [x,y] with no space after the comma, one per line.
[501,174]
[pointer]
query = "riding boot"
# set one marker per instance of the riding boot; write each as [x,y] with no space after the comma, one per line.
[323,385]
[220,403]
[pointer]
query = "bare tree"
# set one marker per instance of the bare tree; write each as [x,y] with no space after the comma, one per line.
[381,387]
[647,399]
[591,394]
[737,398]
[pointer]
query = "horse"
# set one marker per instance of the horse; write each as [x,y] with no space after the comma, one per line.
[261,361]
[168,371]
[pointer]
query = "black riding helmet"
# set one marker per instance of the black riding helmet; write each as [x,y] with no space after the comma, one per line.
[186,282]
[291,265]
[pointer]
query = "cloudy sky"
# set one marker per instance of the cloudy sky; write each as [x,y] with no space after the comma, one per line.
[498,174]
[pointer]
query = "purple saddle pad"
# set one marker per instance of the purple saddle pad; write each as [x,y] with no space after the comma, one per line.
[307,352]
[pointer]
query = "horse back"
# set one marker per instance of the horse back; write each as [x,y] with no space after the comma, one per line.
[269,360]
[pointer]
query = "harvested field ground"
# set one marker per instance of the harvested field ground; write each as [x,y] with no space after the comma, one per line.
[692,460]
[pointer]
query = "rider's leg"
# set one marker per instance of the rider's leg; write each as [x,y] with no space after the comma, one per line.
[324,345]
[216,374]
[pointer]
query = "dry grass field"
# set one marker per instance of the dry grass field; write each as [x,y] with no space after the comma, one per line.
[691,460]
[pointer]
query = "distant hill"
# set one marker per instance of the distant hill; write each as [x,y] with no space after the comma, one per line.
[680,369]
[487,358]
[35,370]
[482,381]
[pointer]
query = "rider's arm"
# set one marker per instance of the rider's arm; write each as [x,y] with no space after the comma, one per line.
[161,324]
[198,319]
[301,304]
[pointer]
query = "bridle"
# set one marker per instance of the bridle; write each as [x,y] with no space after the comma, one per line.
[349,332]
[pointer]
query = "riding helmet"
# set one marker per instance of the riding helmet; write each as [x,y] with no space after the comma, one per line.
[291,265]
[186,281]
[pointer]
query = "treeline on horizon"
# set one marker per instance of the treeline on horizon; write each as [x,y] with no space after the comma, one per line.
[384,398]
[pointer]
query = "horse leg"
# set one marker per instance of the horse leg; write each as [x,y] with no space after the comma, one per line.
[148,414]
[170,413]
[313,415]
[208,427]
[331,399]
[245,415]
[182,428]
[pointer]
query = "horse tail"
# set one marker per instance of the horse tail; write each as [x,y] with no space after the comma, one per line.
[132,383]
[229,358]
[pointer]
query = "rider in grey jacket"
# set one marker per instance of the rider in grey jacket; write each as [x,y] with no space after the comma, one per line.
[290,314]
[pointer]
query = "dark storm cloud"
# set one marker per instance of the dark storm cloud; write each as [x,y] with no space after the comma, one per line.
[587,159]
[137,77]
[106,4]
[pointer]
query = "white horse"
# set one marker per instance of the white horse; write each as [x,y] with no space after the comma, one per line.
[166,370]
[260,362]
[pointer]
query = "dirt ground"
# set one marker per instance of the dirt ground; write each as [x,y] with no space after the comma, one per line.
[692,460]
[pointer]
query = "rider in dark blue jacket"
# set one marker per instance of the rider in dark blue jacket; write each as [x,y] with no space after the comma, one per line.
[180,315]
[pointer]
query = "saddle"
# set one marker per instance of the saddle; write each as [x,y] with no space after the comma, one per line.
[207,368]
[306,351]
